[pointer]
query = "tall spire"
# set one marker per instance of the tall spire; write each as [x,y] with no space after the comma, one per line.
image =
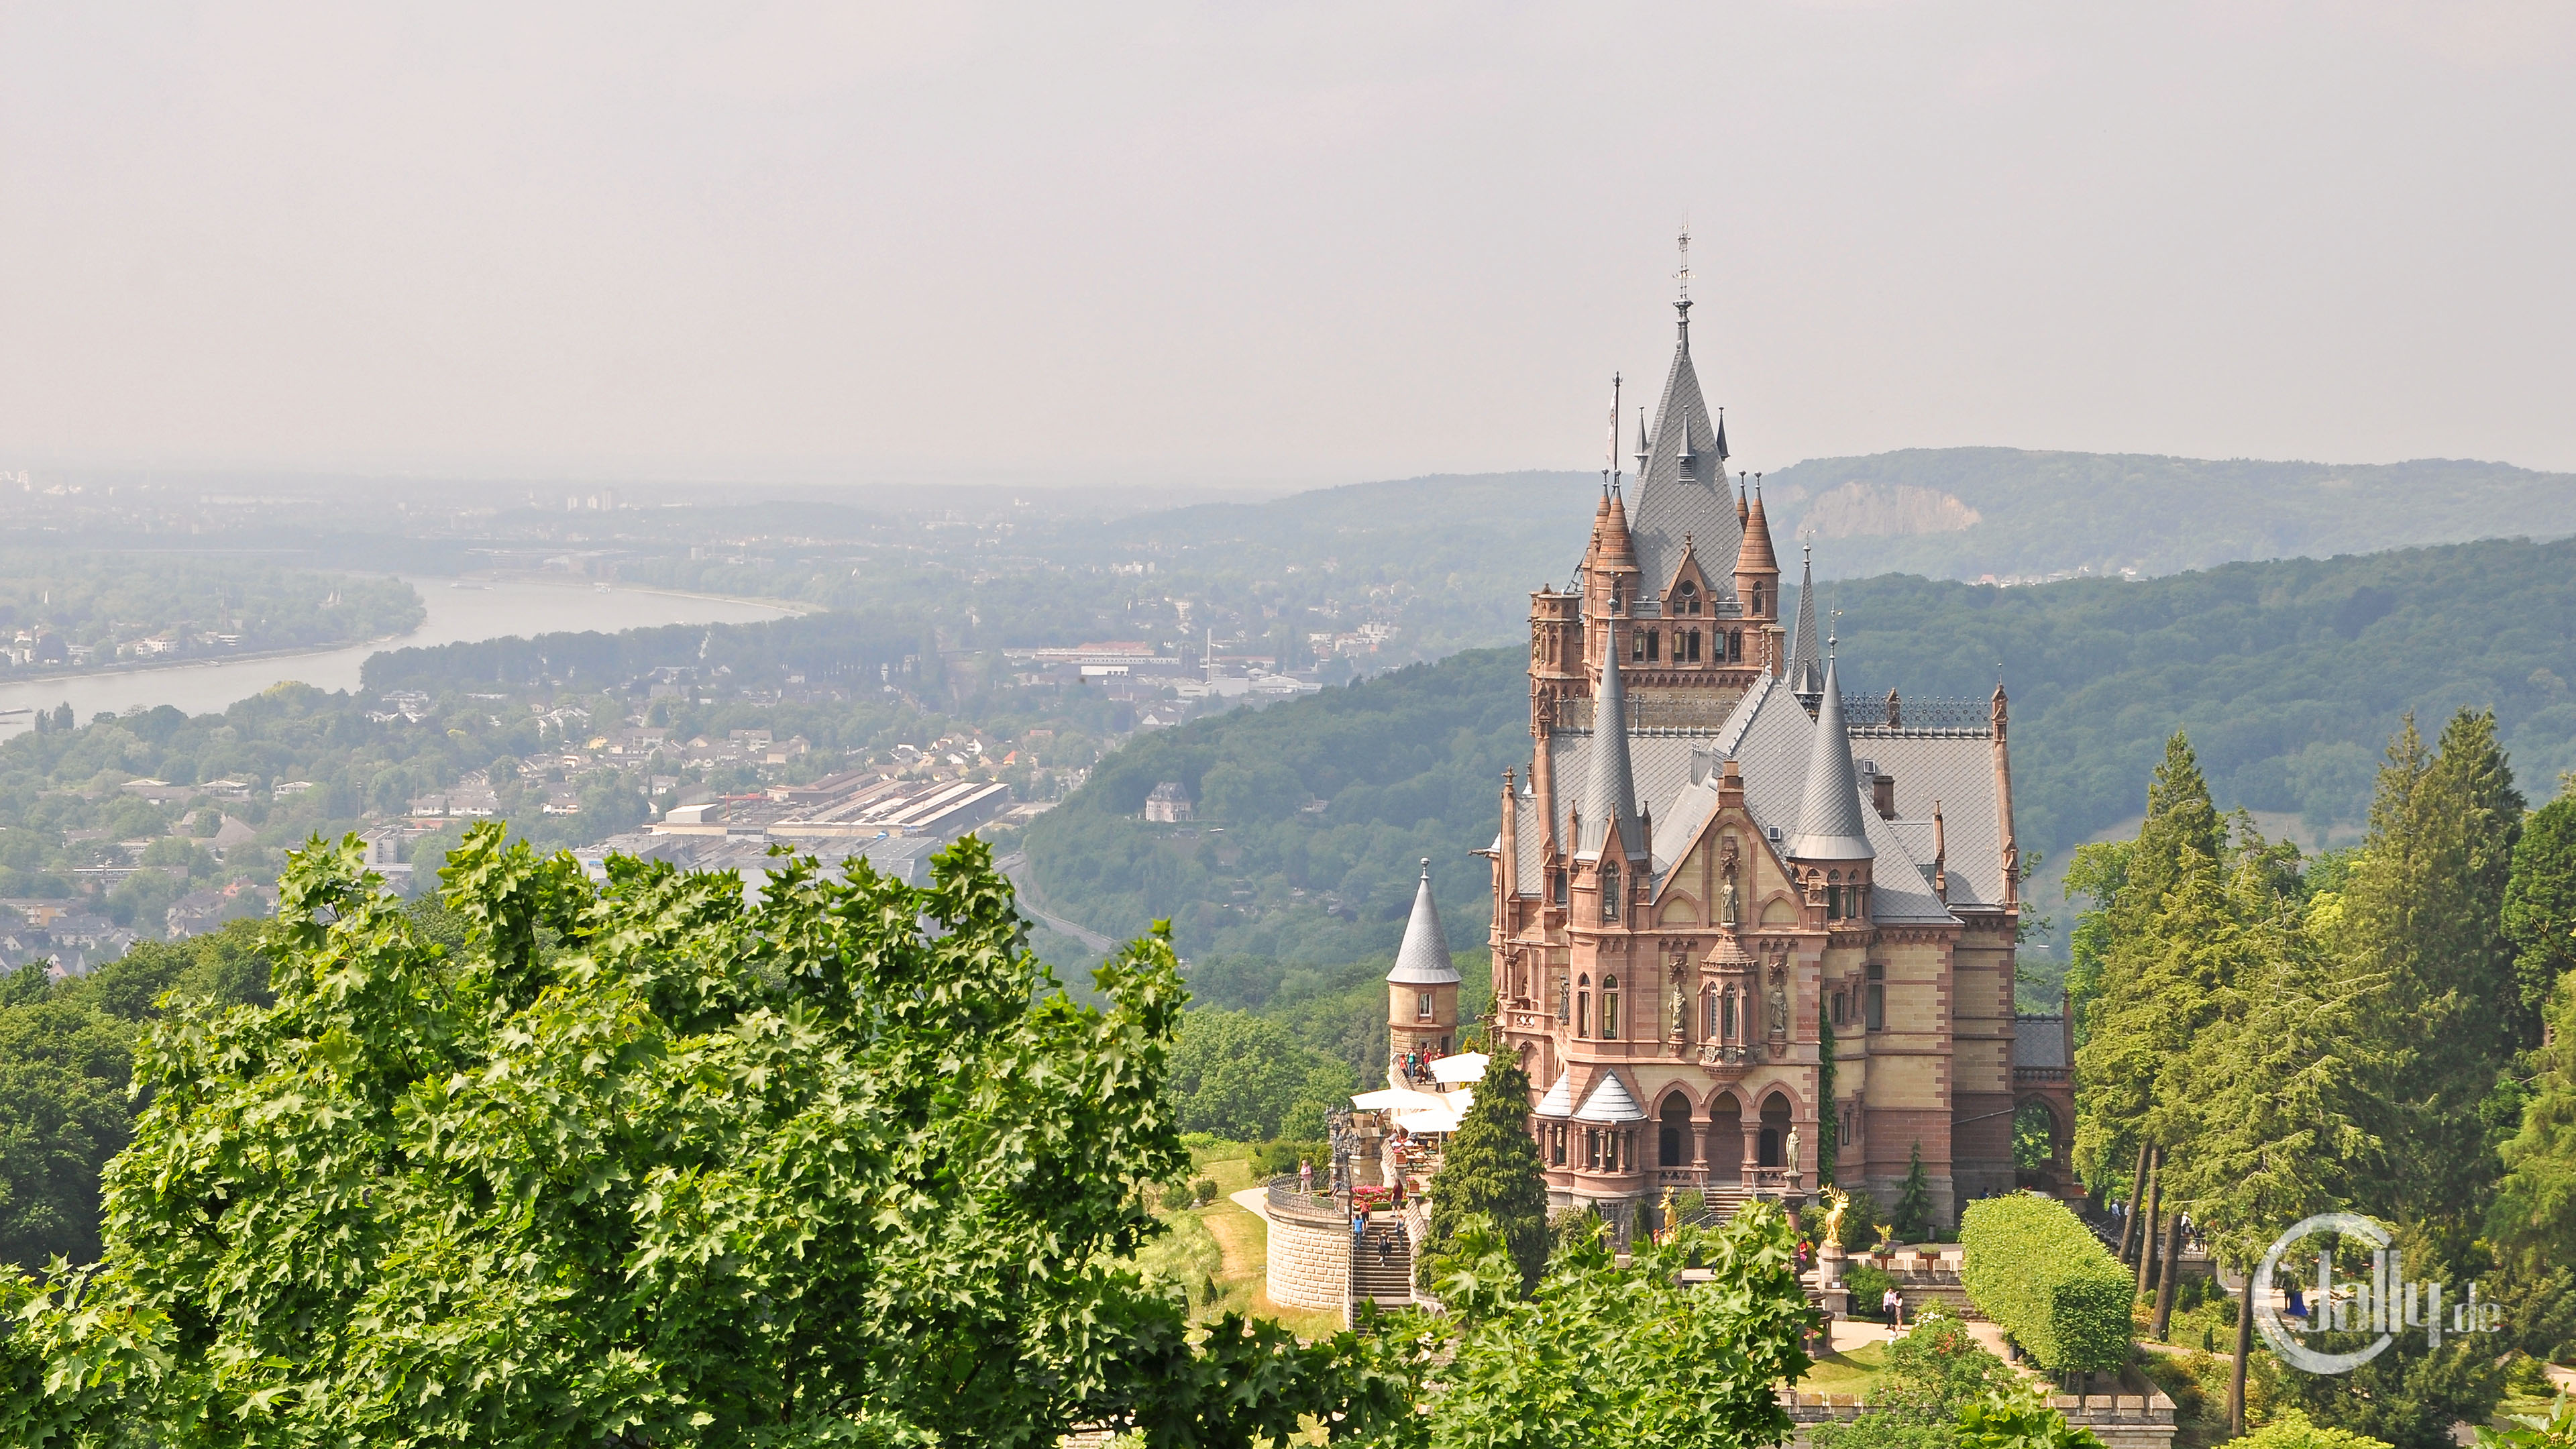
[1722,454]
[1609,804]
[1424,959]
[1829,820]
[1806,676]
[1644,447]
[1682,304]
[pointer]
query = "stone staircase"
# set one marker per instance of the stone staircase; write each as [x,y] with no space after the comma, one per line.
[1390,1283]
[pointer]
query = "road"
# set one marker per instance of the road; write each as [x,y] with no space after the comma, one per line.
[1015,862]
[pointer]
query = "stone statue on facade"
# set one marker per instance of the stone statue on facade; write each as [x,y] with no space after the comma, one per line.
[1789,1156]
[1726,908]
[1779,1003]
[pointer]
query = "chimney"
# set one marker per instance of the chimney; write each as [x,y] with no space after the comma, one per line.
[1882,790]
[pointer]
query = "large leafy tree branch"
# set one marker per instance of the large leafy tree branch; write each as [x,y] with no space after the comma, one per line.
[647,1163]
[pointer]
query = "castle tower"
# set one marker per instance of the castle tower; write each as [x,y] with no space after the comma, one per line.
[1422,990]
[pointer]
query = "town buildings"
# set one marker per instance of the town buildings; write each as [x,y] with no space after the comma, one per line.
[1745,928]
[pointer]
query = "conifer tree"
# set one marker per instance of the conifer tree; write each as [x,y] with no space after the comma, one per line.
[2424,911]
[2540,909]
[2271,1096]
[2534,1211]
[1912,1218]
[1492,1170]
[2146,1003]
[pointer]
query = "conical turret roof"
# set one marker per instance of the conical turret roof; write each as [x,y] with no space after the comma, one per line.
[1610,1102]
[1806,671]
[1609,793]
[1673,502]
[1829,821]
[1756,557]
[1423,959]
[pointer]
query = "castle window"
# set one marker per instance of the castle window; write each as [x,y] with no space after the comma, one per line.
[1726,1018]
[1687,597]
[1757,601]
[1692,639]
[1559,887]
[1877,1008]
[1424,1012]
[1610,890]
[1592,1148]
[1734,646]
[1838,1007]
[1708,1015]
[1582,1006]
[1610,1008]
[1556,1146]
[1654,641]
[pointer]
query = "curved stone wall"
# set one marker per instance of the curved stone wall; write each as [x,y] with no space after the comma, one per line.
[1310,1252]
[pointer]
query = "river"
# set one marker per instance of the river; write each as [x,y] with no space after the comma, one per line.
[459,610]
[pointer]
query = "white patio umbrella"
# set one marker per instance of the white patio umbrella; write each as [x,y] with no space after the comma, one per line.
[1400,1099]
[1465,1067]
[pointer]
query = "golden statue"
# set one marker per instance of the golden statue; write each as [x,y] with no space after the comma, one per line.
[1667,1211]
[1837,1200]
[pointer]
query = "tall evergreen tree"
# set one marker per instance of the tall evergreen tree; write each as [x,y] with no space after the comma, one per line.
[2271,1097]
[1491,1170]
[2147,1001]
[2540,909]
[1912,1218]
[2424,911]
[2535,1206]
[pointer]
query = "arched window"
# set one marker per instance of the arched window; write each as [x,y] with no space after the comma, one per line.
[1686,598]
[1425,1009]
[1558,886]
[1610,1008]
[1582,1006]
[1757,601]
[1726,1016]
[1734,646]
[1692,639]
[1610,890]
[1708,1016]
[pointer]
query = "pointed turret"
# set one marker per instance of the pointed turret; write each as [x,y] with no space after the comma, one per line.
[1645,446]
[1421,993]
[1681,487]
[1609,798]
[1720,449]
[1423,959]
[1743,512]
[1757,568]
[1806,677]
[1829,818]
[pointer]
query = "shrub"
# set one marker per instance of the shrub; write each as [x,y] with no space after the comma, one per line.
[2292,1430]
[2017,1421]
[1176,1196]
[1203,1191]
[1937,1369]
[2046,1280]
[1868,1288]
[1270,1159]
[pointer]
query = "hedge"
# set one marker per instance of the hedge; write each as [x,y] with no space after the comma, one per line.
[2033,1268]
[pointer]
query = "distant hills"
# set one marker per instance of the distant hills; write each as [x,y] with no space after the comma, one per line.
[2290,675]
[1945,513]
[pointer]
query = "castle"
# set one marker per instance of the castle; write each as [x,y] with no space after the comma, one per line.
[1744,928]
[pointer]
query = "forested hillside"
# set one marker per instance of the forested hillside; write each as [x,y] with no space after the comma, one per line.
[2289,677]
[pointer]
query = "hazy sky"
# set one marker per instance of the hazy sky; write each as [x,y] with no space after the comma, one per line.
[1306,243]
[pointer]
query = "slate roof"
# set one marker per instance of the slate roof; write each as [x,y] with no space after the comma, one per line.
[1772,741]
[1806,667]
[1423,959]
[1829,807]
[1559,1101]
[1609,789]
[1670,508]
[2039,1041]
[1610,1103]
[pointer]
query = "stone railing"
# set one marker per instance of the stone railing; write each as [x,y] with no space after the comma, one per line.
[2121,1421]
[1286,1200]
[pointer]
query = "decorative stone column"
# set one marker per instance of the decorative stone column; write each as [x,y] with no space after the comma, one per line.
[1752,1152]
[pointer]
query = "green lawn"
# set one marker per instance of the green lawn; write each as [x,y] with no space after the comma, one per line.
[1853,1372]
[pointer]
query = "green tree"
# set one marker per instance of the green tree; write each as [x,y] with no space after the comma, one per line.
[648,1163]
[1633,1357]
[66,1057]
[1912,1215]
[2273,1101]
[2540,908]
[2424,911]
[1242,1077]
[2533,1218]
[2146,1000]
[1491,1172]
